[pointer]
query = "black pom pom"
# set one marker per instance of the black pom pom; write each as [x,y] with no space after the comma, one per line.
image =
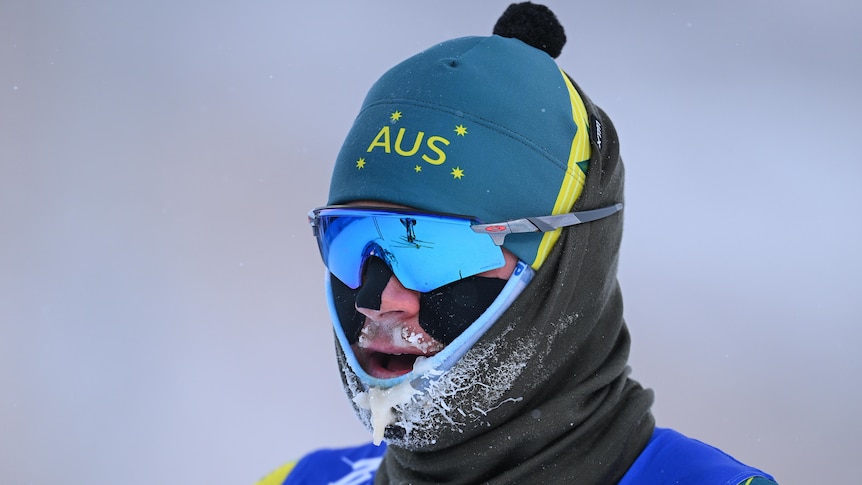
[534,24]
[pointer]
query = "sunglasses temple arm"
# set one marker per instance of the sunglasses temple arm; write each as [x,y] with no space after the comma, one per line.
[499,230]
[549,223]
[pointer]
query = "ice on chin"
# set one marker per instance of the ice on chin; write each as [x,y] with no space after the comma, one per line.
[381,402]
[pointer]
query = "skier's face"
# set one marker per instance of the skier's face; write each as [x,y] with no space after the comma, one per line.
[391,336]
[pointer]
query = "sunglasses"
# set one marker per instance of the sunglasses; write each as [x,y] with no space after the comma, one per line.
[424,250]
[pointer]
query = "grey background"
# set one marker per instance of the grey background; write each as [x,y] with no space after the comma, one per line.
[161,310]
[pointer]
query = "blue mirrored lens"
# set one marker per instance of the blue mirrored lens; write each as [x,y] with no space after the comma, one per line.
[425,251]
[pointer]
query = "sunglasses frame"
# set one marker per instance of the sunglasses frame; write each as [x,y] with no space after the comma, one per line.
[497,230]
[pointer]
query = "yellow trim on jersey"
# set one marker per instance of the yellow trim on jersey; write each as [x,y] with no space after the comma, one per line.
[278,476]
[574,179]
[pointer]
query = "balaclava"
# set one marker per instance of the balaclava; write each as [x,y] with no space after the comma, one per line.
[491,127]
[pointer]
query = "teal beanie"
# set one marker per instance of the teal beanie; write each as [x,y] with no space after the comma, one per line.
[488,127]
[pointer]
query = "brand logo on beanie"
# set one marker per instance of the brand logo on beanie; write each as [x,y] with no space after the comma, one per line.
[597,133]
[418,145]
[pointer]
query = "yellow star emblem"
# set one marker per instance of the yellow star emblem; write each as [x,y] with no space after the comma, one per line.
[461,130]
[360,163]
[457,173]
[418,168]
[395,116]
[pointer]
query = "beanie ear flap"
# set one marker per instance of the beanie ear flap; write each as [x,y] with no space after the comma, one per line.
[535,25]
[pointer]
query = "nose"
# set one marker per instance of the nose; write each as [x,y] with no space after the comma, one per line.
[396,301]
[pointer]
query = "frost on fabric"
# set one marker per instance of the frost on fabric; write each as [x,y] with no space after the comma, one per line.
[415,415]
[447,401]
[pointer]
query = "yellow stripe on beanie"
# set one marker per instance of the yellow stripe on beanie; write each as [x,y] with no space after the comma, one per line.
[574,179]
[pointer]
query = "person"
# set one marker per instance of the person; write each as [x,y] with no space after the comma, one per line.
[471,241]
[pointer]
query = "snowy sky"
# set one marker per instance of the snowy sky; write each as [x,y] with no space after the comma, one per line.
[161,305]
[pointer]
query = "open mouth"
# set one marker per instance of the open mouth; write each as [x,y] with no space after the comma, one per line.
[387,351]
[390,365]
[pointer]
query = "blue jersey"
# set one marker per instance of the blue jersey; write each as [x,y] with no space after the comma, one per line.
[668,458]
